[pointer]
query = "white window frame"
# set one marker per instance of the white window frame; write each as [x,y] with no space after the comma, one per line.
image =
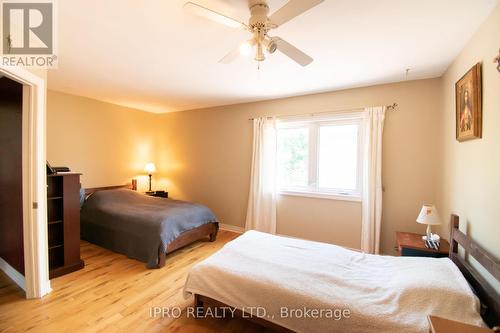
[314,124]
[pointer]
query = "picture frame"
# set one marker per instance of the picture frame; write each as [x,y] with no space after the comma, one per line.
[468,96]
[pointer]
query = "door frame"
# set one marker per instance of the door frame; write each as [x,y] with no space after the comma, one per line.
[36,263]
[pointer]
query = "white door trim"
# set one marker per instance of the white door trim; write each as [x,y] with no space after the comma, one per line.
[11,272]
[36,264]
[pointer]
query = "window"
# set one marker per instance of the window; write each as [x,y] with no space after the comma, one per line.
[293,155]
[321,157]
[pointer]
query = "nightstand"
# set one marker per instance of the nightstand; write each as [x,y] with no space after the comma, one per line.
[412,245]
[159,194]
[441,325]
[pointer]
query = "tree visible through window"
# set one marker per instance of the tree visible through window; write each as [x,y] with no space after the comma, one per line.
[294,156]
[320,156]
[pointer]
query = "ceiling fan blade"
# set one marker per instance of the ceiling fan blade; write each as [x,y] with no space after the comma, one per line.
[292,52]
[292,9]
[230,57]
[212,15]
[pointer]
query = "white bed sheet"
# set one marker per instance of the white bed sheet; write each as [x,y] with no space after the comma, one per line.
[382,293]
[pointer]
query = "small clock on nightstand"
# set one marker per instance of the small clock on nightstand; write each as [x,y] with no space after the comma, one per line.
[159,194]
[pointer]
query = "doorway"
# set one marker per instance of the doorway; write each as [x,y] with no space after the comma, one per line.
[23,206]
[11,176]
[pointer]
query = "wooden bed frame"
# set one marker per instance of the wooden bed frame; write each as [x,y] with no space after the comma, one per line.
[131,186]
[209,230]
[490,299]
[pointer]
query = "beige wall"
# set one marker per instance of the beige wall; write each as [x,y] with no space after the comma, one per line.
[205,156]
[469,180]
[108,143]
[322,220]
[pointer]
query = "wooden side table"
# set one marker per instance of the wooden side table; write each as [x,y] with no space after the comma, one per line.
[412,245]
[441,325]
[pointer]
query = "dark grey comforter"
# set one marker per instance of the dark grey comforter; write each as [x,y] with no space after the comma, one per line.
[137,225]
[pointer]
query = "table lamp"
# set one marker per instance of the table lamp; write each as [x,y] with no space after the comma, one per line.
[150,168]
[428,215]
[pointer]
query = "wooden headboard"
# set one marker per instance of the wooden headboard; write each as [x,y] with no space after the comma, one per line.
[131,186]
[490,299]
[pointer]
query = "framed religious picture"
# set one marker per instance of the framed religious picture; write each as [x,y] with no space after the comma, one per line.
[468,105]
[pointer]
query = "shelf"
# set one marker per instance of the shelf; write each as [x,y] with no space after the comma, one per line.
[63,223]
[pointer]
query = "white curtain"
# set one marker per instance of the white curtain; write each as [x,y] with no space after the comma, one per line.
[372,179]
[261,211]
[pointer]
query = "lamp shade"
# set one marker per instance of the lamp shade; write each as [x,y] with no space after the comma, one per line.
[428,215]
[150,168]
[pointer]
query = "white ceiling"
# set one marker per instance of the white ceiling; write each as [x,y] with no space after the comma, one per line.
[151,55]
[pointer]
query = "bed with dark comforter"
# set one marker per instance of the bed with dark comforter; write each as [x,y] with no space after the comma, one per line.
[137,225]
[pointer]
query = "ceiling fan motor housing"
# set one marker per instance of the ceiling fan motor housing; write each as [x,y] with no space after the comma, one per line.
[259,11]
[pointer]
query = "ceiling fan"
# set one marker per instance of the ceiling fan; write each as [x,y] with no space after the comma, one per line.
[259,25]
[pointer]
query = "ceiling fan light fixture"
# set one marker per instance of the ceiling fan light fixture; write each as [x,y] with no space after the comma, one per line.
[245,49]
[270,45]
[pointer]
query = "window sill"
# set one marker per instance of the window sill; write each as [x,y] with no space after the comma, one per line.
[319,195]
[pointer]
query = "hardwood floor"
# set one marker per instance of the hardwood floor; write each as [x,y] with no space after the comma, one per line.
[115,294]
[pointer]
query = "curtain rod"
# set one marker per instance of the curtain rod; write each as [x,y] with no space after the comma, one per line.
[391,107]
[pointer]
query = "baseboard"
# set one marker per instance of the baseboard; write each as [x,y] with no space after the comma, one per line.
[240,230]
[233,228]
[11,272]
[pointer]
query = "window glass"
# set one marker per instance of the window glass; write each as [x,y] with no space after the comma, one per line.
[338,157]
[293,156]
